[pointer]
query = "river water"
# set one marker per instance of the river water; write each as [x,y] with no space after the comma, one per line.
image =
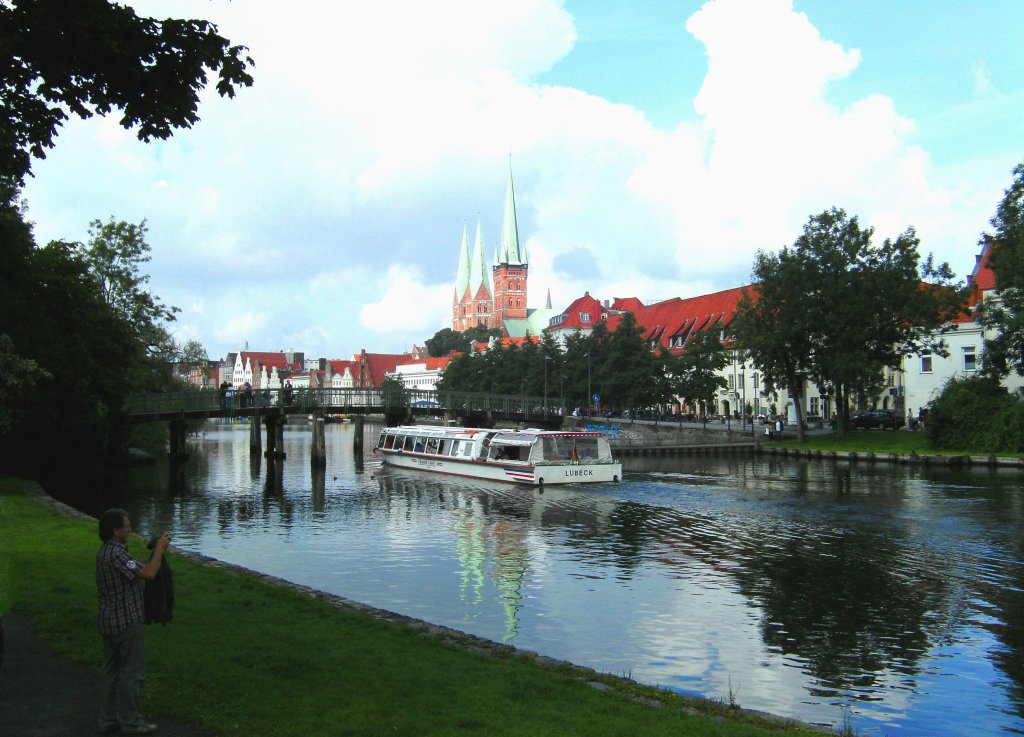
[888,596]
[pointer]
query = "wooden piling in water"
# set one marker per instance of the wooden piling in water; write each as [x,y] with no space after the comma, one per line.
[357,435]
[318,452]
[255,435]
[275,436]
[178,434]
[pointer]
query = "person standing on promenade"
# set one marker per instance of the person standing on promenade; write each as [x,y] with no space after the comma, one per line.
[121,616]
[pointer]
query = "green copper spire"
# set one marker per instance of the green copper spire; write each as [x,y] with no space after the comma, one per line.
[478,265]
[462,275]
[511,252]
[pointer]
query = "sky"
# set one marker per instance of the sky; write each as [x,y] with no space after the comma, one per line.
[655,146]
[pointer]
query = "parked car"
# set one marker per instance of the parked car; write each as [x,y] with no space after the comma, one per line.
[876,418]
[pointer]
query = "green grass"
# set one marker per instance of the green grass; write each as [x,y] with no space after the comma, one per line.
[882,442]
[248,657]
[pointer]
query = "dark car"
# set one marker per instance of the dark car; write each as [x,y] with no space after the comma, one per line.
[876,418]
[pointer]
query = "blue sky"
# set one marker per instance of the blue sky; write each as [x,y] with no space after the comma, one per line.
[656,146]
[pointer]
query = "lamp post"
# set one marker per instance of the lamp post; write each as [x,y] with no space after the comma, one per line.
[546,359]
[590,391]
[561,391]
[743,407]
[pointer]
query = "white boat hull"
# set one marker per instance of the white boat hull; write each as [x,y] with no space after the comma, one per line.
[507,472]
[533,457]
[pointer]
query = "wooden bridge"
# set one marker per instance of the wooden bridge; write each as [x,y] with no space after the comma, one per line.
[272,407]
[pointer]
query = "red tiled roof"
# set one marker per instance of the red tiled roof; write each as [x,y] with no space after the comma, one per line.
[680,317]
[983,277]
[629,304]
[378,365]
[585,306]
[338,365]
[274,360]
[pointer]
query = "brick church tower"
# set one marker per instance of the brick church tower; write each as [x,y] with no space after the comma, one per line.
[510,267]
[474,302]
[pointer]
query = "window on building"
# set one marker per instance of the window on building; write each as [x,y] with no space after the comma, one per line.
[756,379]
[584,317]
[926,363]
[732,381]
[815,406]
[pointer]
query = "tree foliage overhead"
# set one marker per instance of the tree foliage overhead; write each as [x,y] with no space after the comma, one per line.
[83,57]
[1004,352]
[78,325]
[837,310]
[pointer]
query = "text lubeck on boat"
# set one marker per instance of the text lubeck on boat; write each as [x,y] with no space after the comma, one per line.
[534,457]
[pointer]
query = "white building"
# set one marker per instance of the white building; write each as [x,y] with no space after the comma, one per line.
[925,374]
[423,374]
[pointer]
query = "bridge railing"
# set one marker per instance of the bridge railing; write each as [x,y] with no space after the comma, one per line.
[420,401]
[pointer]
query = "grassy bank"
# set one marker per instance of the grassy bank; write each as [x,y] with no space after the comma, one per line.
[246,657]
[881,442]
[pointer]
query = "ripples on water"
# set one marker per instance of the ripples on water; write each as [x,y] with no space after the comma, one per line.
[803,589]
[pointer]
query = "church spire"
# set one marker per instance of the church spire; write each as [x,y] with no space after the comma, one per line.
[478,265]
[462,275]
[511,252]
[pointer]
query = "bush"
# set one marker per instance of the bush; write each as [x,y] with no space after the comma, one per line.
[976,414]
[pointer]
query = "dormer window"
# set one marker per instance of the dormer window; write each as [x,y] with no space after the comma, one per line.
[584,317]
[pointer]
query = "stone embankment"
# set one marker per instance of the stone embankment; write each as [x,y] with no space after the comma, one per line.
[666,439]
[903,458]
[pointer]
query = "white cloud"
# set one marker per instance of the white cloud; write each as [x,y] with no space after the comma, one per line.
[983,84]
[407,304]
[325,204]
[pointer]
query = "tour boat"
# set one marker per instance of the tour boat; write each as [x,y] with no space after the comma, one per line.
[534,457]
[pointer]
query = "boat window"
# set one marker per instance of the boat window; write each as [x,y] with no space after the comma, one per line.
[586,449]
[407,445]
[432,444]
[558,448]
[456,447]
[389,441]
[417,446]
[446,447]
[509,452]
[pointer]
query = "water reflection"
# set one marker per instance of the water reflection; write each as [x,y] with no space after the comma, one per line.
[804,588]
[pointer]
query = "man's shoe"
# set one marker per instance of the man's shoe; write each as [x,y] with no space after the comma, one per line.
[140,728]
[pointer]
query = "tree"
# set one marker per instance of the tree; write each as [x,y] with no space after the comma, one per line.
[769,326]
[60,58]
[19,377]
[114,254]
[631,375]
[1004,352]
[481,334]
[837,310]
[192,353]
[695,375]
[445,341]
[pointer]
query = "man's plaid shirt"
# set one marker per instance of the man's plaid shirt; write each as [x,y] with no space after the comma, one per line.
[119,587]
